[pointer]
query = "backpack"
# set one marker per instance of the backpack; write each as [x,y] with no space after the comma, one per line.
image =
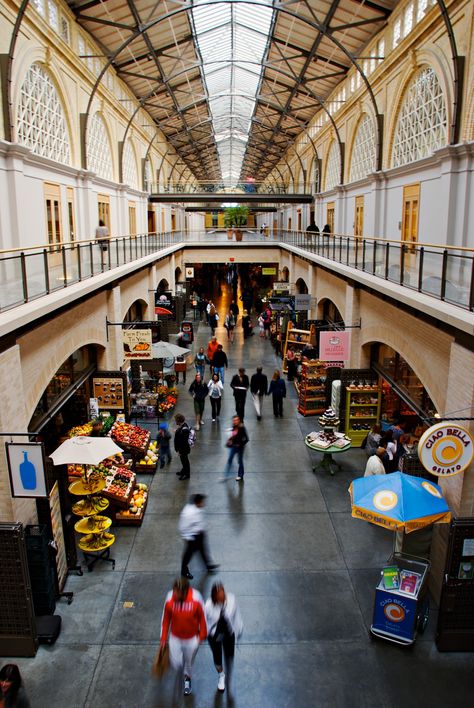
[212,310]
[191,437]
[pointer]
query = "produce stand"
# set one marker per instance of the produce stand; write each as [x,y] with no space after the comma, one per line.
[401,608]
[96,540]
[131,438]
[133,516]
[119,485]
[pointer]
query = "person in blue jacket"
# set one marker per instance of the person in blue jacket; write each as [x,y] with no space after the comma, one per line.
[277,389]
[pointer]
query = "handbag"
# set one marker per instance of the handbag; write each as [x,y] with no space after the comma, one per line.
[230,442]
[162,661]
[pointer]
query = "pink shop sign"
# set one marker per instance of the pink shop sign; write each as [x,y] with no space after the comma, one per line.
[334,346]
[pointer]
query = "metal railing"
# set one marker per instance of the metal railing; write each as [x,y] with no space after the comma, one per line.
[443,272]
[223,187]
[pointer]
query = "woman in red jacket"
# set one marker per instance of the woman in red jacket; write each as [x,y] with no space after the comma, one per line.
[184,621]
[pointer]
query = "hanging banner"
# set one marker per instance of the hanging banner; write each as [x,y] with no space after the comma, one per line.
[446,449]
[26,465]
[137,344]
[165,304]
[334,346]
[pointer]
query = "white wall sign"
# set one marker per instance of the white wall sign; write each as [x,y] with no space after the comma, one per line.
[189,272]
[446,449]
[137,344]
[26,465]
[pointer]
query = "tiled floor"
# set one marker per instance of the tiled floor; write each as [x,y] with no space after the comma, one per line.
[302,569]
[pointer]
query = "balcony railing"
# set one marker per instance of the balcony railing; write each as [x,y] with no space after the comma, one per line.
[226,187]
[442,272]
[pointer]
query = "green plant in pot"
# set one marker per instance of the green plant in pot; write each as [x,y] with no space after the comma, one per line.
[236,217]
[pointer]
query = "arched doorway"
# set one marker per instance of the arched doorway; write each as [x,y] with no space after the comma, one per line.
[136,312]
[301,287]
[285,275]
[163,285]
[329,312]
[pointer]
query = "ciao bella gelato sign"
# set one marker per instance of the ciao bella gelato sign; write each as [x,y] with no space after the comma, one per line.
[445,449]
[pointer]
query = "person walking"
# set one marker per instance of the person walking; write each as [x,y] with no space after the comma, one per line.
[374,463]
[216,390]
[183,626]
[258,389]
[220,362]
[247,325]
[224,627]
[234,308]
[192,527]
[211,349]
[12,691]
[312,226]
[229,324]
[200,361]
[267,322]
[236,443]
[277,389]
[240,385]
[213,316]
[199,391]
[164,441]
[182,446]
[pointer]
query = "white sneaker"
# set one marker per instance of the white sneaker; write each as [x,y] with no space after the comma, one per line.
[213,420]
[221,682]
[202,422]
[187,685]
[196,427]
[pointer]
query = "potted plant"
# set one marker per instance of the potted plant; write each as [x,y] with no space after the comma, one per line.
[237,216]
[228,224]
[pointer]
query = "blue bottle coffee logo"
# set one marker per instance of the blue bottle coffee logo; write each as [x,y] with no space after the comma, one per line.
[27,473]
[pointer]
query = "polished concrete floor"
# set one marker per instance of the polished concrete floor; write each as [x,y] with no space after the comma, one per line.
[302,569]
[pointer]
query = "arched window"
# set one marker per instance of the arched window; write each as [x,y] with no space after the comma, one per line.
[333,167]
[129,165]
[363,152]
[41,124]
[99,153]
[421,125]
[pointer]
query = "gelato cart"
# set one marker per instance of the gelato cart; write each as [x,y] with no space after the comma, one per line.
[401,600]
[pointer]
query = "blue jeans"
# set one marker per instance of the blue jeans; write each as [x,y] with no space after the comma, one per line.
[200,370]
[219,370]
[239,451]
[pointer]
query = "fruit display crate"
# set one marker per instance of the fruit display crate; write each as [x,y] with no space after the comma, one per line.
[131,438]
[141,468]
[119,498]
[126,518]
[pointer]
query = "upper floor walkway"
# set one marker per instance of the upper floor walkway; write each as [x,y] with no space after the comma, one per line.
[440,274]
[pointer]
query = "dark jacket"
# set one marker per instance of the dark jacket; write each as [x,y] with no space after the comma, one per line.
[199,390]
[181,440]
[220,358]
[19,701]
[237,383]
[259,384]
[240,439]
[163,440]
[277,388]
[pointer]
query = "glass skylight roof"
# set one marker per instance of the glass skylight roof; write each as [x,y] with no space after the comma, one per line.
[232,40]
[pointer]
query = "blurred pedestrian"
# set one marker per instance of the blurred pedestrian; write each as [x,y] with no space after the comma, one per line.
[374,463]
[199,391]
[183,625]
[215,394]
[277,390]
[291,364]
[212,316]
[229,324]
[164,441]
[200,361]
[236,443]
[12,691]
[234,308]
[219,362]
[240,385]
[267,322]
[224,627]
[247,325]
[182,446]
[192,527]
[212,348]
[258,389]
[373,440]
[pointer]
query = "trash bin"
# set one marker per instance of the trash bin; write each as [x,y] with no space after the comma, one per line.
[401,607]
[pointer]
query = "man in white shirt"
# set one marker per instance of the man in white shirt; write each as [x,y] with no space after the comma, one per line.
[192,527]
[374,463]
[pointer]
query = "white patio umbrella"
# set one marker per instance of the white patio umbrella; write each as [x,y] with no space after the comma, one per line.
[167,350]
[82,450]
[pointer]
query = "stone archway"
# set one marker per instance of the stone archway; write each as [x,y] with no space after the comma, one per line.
[285,275]
[163,285]
[328,310]
[136,310]
[301,287]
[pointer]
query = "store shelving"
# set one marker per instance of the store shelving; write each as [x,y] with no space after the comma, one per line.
[298,339]
[312,388]
[362,411]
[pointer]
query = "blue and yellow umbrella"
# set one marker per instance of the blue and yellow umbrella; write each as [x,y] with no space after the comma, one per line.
[398,501]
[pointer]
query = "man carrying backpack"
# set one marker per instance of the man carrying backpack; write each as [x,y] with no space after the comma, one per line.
[182,446]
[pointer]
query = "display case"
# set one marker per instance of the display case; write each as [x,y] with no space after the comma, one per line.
[362,411]
[297,339]
[312,388]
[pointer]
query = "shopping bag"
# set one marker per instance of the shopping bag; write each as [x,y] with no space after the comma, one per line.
[162,662]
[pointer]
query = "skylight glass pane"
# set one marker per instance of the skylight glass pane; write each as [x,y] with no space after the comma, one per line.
[232,40]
